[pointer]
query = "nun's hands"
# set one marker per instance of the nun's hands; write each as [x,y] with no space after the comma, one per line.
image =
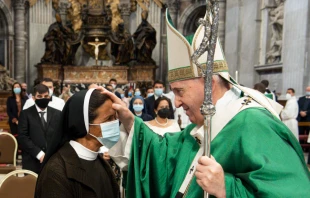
[124,114]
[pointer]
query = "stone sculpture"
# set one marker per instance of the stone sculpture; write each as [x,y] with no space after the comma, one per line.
[5,81]
[57,43]
[145,41]
[276,22]
[122,47]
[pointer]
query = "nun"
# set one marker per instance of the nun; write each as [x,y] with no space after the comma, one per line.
[138,108]
[72,167]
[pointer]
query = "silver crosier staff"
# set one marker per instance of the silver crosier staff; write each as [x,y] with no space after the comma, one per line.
[208,45]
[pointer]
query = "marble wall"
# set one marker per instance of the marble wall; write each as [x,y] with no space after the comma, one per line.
[241,32]
[247,37]
[296,73]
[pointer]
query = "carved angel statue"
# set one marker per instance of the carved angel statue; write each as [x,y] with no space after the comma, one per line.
[276,22]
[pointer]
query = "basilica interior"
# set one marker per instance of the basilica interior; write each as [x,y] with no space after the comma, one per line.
[84,42]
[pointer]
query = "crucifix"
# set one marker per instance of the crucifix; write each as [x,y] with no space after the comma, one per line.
[96,44]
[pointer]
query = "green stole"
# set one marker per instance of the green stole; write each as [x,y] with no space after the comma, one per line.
[261,158]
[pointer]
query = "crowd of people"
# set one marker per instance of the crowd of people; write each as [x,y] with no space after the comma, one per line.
[44,128]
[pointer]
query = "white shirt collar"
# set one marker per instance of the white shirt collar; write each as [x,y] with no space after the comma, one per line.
[39,110]
[83,152]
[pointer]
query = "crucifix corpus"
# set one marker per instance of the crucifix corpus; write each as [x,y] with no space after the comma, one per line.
[96,44]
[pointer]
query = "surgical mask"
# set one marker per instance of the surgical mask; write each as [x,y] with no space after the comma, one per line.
[288,96]
[110,133]
[50,92]
[308,93]
[138,107]
[163,113]
[122,95]
[113,85]
[137,93]
[17,90]
[129,94]
[42,103]
[158,92]
[150,95]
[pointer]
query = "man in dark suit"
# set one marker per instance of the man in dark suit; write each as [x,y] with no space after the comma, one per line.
[158,92]
[304,113]
[37,124]
[304,110]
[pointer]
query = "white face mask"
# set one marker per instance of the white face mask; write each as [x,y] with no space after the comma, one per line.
[113,85]
[288,96]
[50,92]
[110,133]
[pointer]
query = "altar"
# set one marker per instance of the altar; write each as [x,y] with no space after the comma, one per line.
[92,47]
[96,74]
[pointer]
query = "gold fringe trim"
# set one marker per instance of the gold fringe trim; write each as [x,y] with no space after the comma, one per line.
[186,73]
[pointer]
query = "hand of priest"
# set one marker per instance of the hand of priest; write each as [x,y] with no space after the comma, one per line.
[124,114]
[210,176]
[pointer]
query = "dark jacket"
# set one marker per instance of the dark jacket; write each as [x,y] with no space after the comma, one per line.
[64,176]
[32,136]
[12,109]
[149,102]
[145,117]
[304,105]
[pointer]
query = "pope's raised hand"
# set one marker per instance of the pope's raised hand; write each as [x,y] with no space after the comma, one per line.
[124,114]
[210,176]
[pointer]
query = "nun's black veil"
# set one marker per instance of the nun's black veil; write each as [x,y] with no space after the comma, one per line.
[72,124]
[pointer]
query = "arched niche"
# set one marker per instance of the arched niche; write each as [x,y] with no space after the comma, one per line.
[188,22]
[6,36]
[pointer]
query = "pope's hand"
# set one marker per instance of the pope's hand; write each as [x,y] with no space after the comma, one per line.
[210,176]
[124,114]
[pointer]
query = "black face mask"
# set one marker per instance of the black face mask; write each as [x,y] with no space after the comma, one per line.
[42,103]
[164,113]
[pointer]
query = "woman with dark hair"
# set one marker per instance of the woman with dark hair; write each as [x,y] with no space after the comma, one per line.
[14,105]
[161,124]
[138,108]
[73,167]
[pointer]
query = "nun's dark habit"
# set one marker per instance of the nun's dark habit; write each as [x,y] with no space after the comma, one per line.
[66,175]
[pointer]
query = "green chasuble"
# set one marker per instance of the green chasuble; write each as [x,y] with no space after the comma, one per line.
[259,155]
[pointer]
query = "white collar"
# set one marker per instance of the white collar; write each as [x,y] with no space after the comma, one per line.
[227,98]
[83,152]
[292,98]
[39,110]
[221,108]
[138,114]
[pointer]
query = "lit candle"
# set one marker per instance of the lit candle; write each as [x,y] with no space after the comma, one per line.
[236,77]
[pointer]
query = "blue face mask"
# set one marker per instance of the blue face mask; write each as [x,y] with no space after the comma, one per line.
[308,93]
[138,107]
[129,94]
[158,92]
[150,95]
[110,133]
[137,93]
[17,90]
[122,95]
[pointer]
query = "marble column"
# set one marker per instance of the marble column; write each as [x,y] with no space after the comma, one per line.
[221,28]
[19,42]
[125,13]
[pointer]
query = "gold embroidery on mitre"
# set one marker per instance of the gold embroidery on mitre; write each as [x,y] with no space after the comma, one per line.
[185,73]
